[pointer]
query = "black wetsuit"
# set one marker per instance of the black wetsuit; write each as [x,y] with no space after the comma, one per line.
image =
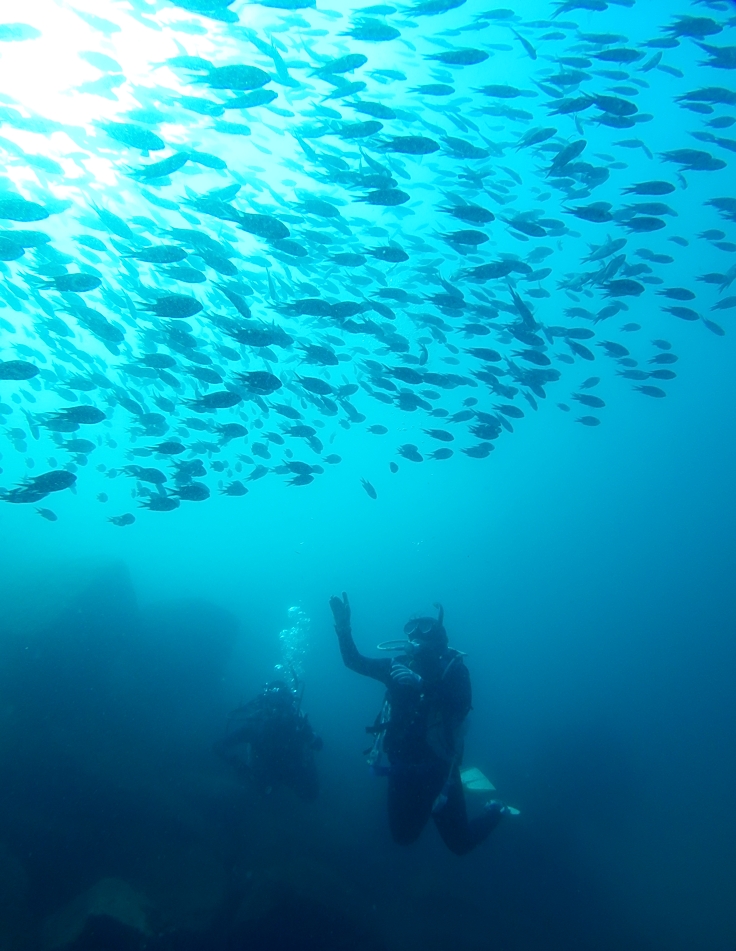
[274,743]
[423,744]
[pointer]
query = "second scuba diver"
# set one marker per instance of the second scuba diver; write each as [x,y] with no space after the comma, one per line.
[273,743]
[420,730]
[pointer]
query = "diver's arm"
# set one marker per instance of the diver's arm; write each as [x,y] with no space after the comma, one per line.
[458,697]
[243,734]
[376,667]
[456,704]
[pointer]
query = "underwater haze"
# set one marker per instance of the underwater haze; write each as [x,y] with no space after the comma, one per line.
[431,303]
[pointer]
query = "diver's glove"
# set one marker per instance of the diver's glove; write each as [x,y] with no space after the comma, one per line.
[401,674]
[341,613]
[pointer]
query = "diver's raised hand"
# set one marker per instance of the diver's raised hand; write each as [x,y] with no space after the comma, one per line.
[341,612]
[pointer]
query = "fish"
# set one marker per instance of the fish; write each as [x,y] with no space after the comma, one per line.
[234,489]
[371,30]
[278,245]
[158,503]
[409,451]
[122,520]
[192,492]
[17,370]
[653,391]
[480,451]
[370,491]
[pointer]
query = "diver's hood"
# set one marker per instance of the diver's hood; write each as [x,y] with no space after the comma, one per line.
[427,632]
[278,691]
[432,640]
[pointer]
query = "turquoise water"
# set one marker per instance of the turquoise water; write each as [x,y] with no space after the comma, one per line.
[428,304]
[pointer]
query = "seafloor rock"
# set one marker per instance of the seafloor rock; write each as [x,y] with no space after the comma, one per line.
[34,592]
[103,933]
[304,904]
[108,713]
[297,922]
[110,897]
[13,893]
[304,881]
[185,879]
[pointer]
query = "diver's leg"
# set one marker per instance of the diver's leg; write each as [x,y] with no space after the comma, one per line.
[459,834]
[410,798]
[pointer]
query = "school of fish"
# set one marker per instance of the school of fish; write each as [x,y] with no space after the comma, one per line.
[423,219]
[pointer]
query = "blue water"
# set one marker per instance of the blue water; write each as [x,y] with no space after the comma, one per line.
[585,569]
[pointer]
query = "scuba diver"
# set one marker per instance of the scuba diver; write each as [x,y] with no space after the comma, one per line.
[420,729]
[270,741]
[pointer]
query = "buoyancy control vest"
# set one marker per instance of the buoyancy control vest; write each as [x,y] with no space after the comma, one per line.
[414,723]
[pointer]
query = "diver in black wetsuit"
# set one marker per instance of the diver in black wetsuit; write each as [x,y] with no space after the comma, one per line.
[427,701]
[274,743]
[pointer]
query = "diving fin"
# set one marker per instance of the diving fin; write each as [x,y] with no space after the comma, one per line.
[475,781]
